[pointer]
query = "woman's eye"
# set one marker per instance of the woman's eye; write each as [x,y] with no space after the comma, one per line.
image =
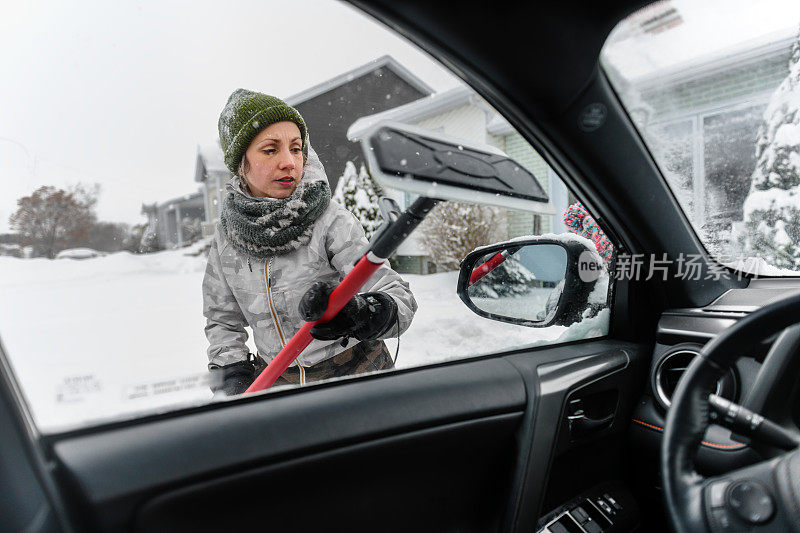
[297,150]
[269,151]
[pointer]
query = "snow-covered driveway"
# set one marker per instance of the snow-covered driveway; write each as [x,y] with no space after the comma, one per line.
[116,335]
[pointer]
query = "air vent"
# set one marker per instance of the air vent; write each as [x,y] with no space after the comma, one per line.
[671,367]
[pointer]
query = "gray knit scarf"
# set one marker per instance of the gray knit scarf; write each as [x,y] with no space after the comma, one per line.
[265,227]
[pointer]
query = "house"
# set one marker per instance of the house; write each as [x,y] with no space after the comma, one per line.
[211,172]
[702,116]
[330,107]
[462,113]
[168,219]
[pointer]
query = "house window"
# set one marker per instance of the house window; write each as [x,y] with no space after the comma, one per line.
[707,158]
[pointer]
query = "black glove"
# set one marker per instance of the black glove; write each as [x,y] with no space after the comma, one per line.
[233,379]
[366,316]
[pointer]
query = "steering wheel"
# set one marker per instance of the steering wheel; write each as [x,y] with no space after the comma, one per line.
[760,497]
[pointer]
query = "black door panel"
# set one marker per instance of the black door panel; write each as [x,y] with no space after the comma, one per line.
[115,470]
[447,478]
[570,372]
[453,447]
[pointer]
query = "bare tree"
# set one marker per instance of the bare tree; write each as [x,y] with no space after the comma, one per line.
[454,229]
[53,219]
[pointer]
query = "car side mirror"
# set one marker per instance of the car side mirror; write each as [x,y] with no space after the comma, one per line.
[535,281]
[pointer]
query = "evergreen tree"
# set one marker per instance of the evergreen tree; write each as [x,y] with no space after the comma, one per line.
[359,194]
[771,228]
[192,230]
[149,242]
[133,241]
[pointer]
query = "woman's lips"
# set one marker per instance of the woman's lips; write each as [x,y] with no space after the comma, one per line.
[286,181]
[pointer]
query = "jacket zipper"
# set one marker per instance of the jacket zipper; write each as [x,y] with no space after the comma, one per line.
[277,323]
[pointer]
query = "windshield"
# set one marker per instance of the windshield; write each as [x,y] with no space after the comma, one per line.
[714,89]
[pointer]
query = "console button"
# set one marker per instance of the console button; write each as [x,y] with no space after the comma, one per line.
[605,507]
[722,520]
[555,527]
[612,501]
[592,527]
[579,515]
[751,502]
[716,493]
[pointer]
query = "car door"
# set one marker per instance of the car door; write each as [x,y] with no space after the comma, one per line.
[482,443]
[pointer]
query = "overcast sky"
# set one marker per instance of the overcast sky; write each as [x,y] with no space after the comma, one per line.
[120,93]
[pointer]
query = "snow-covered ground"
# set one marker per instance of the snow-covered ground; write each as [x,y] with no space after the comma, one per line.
[110,337]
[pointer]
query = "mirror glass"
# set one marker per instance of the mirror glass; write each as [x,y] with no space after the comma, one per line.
[522,283]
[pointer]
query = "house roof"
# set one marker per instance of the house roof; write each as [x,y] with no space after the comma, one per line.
[194,199]
[672,58]
[210,160]
[385,61]
[748,53]
[432,105]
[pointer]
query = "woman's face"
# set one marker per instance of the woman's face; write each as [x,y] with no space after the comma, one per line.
[275,159]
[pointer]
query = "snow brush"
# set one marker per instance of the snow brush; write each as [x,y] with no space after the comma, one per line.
[395,229]
[495,261]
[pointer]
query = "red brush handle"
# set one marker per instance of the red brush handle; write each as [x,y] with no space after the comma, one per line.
[342,294]
[486,267]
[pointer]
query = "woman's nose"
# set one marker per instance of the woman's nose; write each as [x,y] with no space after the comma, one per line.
[287,161]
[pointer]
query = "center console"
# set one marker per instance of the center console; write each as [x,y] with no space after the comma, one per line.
[605,508]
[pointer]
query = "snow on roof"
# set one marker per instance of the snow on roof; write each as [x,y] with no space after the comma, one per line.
[194,199]
[418,109]
[498,125]
[714,35]
[210,158]
[385,61]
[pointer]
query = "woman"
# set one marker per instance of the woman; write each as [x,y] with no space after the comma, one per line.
[279,250]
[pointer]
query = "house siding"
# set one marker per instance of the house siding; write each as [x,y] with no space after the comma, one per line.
[329,114]
[522,222]
[735,84]
[465,122]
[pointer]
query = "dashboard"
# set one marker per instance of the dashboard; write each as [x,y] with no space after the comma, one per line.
[768,387]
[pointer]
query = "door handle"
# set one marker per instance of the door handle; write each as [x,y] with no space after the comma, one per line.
[581,425]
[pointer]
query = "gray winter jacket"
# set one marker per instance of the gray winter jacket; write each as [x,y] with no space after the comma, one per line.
[239,291]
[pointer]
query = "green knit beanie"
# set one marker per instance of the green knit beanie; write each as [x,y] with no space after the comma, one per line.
[245,115]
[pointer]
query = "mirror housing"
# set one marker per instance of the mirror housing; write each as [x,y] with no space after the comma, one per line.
[584,270]
[436,165]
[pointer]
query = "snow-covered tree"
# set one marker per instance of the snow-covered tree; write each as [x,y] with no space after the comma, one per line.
[133,240]
[359,194]
[149,242]
[771,227]
[192,230]
[452,230]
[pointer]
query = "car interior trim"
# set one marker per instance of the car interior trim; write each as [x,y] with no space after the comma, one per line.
[705,442]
